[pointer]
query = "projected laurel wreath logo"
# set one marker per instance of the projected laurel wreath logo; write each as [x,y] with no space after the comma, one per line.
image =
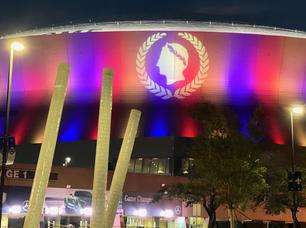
[172,60]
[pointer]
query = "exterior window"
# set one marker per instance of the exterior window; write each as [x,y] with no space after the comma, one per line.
[146,166]
[168,166]
[150,165]
[154,166]
[187,165]
[138,165]
[131,165]
[162,165]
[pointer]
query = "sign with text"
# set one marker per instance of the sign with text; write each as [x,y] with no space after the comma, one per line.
[132,201]
[25,174]
[137,198]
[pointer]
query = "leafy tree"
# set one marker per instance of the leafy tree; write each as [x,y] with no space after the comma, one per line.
[277,198]
[226,170]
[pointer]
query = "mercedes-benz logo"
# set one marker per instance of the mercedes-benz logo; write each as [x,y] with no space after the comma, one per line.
[178,210]
[25,205]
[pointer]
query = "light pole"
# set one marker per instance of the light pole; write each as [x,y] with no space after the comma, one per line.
[295,110]
[67,161]
[15,46]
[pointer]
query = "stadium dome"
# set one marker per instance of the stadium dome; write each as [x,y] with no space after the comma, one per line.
[161,68]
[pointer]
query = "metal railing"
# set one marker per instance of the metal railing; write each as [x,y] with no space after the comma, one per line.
[145,25]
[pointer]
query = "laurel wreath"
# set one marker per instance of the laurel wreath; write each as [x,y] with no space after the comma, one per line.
[161,91]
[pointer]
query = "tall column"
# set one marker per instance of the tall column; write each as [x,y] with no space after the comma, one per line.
[102,151]
[122,167]
[58,221]
[46,154]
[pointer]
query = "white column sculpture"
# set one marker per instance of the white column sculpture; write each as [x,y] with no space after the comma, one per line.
[122,167]
[47,149]
[102,151]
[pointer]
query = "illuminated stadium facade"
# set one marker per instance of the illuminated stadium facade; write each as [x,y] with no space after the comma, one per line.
[237,65]
[163,69]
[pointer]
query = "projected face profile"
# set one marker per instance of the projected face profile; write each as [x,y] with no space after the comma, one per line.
[172,62]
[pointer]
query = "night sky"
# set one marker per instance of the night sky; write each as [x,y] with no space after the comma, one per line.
[20,15]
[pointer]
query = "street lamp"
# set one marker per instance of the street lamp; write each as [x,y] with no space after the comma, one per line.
[67,161]
[295,110]
[15,46]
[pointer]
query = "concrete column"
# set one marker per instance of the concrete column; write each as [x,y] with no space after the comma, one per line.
[46,154]
[122,167]
[58,221]
[4,221]
[83,223]
[102,151]
[51,223]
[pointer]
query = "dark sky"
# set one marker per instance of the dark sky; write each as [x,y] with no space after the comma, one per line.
[19,15]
